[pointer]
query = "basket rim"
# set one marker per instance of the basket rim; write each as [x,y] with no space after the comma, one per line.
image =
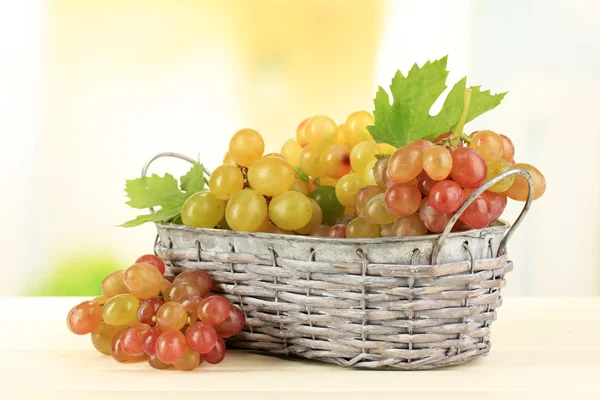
[501,227]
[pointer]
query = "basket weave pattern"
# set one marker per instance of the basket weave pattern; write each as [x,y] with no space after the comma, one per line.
[352,311]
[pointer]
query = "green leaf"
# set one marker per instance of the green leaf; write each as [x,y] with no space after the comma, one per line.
[193,181]
[482,102]
[161,215]
[153,191]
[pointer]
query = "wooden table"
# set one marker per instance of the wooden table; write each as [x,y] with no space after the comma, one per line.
[546,347]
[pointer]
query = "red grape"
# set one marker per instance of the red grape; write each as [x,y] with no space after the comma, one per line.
[336,231]
[200,278]
[477,214]
[460,227]
[147,311]
[213,310]
[233,324]
[201,337]
[191,304]
[170,346]
[469,169]
[434,221]
[217,354]
[116,351]
[446,196]
[84,317]
[403,199]
[425,183]
[132,339]
[152,260]
[497,204]
[150,339]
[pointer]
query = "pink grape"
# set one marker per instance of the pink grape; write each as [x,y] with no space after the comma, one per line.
[150,339]
[477,214]
[170,346]
[200,278]
[434,221]
[84,317]
[425,183]
[116,351]
[446,197]
[469,169]
[233,324]
[191,304]
[497,203]
[147,311]
[337,231]
[403,199]
[132,339]
[217,354]
[213,310]
[201,337]
[152,260]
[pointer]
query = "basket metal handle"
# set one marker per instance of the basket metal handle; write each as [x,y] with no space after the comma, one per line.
[170,155]
[473,196]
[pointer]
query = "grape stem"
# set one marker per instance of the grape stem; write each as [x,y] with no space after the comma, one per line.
[458,131]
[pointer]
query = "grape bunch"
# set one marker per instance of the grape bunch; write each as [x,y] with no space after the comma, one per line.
[170,322]
[335,181]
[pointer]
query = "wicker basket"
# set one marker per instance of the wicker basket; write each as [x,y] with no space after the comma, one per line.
[388,303]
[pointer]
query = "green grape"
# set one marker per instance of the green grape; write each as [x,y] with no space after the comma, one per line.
[496,168]
[369,176]
[360,227]
[202,210]
[225,181]
[246,211]
[320,131]
[121,310]
[335,161]
[315,220]
[290,210]
[310,161]
[143,280]
[377,212]
[270,176]
[330,206]
[346,188]
[299,186]
[361,154]
[291,151]
[356,128]
[246,147]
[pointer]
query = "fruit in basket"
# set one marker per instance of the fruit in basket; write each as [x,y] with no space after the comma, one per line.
[246,211]
[246,146]
[202,210]
[290,210]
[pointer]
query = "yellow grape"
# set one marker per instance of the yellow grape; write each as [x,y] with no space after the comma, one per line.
[202,210]
[361,154]
[171,316]
[409,226]
[310,161]
[103,335]
[300,134]
[270,227]
[386,148]
[377,212]
[189,361]
[364,195]
[346,188]
[143,280]
[326,181]
[335,161]
[356,128]
[227,160]
[225,181]
[315,220]
[489,144]
[290,210]
[341,136]
[121,310]
[101,299]
[369,177]
[405,164]
[246,146]
[360,227]
[437,162]
[270,176]
[299,186]
[350,211]
[519,189]
[113,284]
[496,168]
[246,211]
[291,151]
[320,131]
[275,155]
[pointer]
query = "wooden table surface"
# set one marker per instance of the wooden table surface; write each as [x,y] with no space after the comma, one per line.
[546,347]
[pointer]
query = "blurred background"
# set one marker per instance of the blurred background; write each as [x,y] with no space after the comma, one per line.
[89,90]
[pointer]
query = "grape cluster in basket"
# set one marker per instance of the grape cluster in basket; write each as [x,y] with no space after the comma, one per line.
[336,181]
[169,321]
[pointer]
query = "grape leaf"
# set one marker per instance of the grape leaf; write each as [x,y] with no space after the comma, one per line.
[407,117]
[193,181]
[153,191]
[161,215]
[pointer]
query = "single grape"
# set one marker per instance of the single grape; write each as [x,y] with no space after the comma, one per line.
[202,210]
[171,316]
[178,290]
[409,226]
[310,161]
[227,160]
[446,136]
[347,187]
[290,210]
[300,134]
[369,175]
[320,231]
[335,161]
[246,146]
[121,310]
[200,278]
[469,169]
[189,361]
[364,195]
[116,350]
[341,136]
[291,151]
[315,220]
[275,155]
[496,168]
[132,339]
[437,162]
[377,212]
[356,128]
[360,227]
[217,354]
[143,281]
[113,284]
[100,300]
[337,231]
[103,335]
[497,204]
[477,214]
[519,189]
[166,283]
[150,339]
[435,221]
[299,186]
[213,310]
[489,144]
[152,260]
[403,199]
[201,337]
[386,230]
[330,206]
[191,304]
[146,314]
[157,364]
[270,176]
[386,148]
[320,131]
[378,170]
[361,154]
[170,346]
[246,211]
[225,181]
[84,317]
[233,324]
[425,183]
[446,197]
[405,164]
[509,149]
[422,144]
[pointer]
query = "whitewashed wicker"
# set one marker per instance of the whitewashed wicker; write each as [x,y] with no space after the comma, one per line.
[389,303]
